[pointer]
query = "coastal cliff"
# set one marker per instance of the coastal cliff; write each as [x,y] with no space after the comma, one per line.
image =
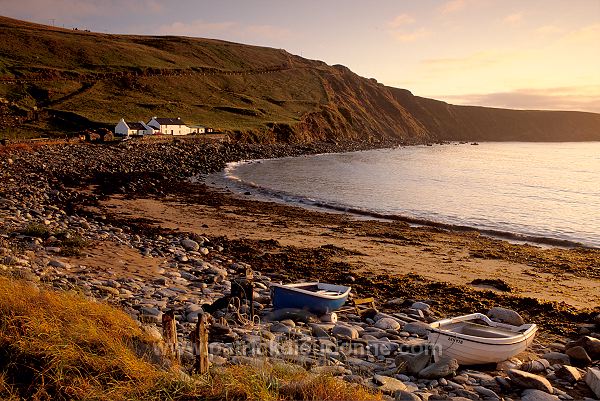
[54,80]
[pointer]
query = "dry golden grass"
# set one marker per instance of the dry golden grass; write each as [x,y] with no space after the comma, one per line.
[59,345]
[62,346]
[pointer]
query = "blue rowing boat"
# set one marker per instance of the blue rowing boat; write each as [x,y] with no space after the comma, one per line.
[318,298]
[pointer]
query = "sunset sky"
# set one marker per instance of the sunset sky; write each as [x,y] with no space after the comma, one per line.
[535,54]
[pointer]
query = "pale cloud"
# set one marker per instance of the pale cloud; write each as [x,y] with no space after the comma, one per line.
[513,18]
[452,6]
[401,20]
[398,29]
[201,28]
[561,98]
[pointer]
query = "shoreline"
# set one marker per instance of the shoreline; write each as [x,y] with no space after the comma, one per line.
[223,181]
[128,174]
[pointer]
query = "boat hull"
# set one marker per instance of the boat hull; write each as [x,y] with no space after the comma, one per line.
[470,349]
[289,297]
[468,352]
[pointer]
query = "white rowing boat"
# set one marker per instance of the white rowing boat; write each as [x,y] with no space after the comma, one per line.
[475,339]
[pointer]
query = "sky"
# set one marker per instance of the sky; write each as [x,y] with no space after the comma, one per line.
[526,54]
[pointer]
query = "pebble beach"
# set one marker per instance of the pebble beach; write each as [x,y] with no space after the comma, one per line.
[124,224]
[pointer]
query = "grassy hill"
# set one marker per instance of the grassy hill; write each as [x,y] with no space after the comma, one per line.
[54,80]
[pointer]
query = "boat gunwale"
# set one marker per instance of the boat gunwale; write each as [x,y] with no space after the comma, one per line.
[294,288]
[512,340]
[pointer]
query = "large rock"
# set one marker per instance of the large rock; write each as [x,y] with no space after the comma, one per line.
[579,356]
[529,380]
[557,357]
[387,323]
[418,328]
[388,385]
[341,330]
[444,367]
[412,363]
[592,379]
[537,395]
[507,316]
[590,344]
[318,331]
[569,373]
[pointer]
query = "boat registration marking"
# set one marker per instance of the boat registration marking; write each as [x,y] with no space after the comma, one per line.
[455,340]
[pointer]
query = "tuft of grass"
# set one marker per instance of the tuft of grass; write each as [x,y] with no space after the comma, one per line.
[72,245]
[37,230]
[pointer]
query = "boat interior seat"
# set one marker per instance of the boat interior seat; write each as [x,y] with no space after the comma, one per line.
[327,292]
[478,330]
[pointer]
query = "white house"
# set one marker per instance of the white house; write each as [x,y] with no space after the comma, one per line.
[197,129]
[124,128]
[169,126]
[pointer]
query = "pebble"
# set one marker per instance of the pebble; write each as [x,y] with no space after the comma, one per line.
[189,245]
[538,395]
[387,323]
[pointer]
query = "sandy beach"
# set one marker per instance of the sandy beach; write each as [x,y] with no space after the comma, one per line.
[373,248]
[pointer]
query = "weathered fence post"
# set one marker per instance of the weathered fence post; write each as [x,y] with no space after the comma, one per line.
[170,334]
[201,345]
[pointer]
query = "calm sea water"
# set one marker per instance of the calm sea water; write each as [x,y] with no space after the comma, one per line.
[547,192]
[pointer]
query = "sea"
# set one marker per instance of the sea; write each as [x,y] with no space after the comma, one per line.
[544,193]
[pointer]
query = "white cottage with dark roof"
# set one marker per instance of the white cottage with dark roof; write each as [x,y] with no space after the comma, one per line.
[169,126]
[125,128]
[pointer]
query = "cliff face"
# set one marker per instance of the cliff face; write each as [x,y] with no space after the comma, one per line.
[451,122]
[254,93]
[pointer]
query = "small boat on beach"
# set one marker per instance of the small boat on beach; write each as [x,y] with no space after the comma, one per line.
[475,339]
[318,298]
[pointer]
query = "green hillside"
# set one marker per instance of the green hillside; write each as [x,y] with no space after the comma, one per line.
[57,81]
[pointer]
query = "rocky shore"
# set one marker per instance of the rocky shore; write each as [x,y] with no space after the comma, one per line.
[50,221]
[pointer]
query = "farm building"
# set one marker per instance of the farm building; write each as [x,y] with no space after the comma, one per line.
[124,128]
[169,126]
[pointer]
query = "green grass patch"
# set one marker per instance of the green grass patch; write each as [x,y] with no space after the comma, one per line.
[37,230]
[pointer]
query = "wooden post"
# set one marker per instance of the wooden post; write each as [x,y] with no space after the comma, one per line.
[170,334]
[250,295]
[201,345]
